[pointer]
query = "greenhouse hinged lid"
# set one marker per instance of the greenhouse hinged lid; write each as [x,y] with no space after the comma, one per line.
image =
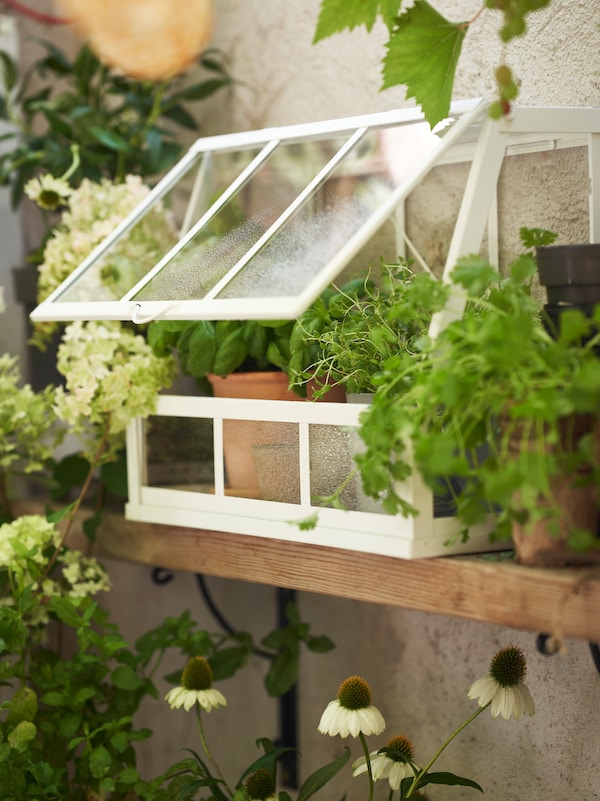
[261,221]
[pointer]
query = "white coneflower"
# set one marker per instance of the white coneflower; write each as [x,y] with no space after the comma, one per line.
[393,762]
[196,686]
[352,712]
[48,192]
[260,786]
[504,688]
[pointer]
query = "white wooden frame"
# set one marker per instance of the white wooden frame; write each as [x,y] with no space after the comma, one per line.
[213,509]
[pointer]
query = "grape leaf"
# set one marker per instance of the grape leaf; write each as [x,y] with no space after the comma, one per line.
[422,53]
[340,15]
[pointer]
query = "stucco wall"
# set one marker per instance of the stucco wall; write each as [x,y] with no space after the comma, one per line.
[419,665]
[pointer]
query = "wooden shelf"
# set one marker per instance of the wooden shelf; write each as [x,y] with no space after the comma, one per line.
[563,602]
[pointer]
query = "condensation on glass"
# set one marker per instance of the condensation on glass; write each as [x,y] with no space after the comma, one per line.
[258,223]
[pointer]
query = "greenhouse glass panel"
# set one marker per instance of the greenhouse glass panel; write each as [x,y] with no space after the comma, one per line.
[255,225]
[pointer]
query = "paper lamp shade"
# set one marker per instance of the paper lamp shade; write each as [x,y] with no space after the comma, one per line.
[146,39]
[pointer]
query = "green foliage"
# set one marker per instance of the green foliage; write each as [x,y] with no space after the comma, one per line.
[285,643]
[71,684]
[348,335]
[422,54]
[424,47]
[121,126]
[204,347]
[483,407]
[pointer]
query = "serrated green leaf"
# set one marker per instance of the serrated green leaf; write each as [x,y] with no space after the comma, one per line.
[345,15]
[536,237]
[422,53]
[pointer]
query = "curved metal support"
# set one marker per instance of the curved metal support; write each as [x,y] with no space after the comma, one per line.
[162,576]
[548,646]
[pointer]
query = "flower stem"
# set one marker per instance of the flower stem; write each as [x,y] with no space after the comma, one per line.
[207,750]
[80,498]
[368,760]
[415,783]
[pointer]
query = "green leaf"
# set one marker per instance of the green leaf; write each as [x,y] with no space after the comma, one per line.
[114,476]
[536,237]
[9,70]
[99,762]
[523,268]
[23,733]
[202,349]
[227,661]
[65,610]
[54,699]
[110,139]
[320,644]
[125,678]
[320,777]
[308,523]
[444,777]
[129,776]
[283,673]
[23,706]
[231,348]
[340,15]
[574,325]
[422,53]
[90,526]
[68,472]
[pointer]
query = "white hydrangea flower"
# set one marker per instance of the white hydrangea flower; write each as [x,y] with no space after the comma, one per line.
[94,210]
[112,376]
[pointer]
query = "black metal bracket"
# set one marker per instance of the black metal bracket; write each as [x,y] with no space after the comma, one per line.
[547,646]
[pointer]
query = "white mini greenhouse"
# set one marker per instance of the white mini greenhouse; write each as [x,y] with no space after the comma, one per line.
[267,220]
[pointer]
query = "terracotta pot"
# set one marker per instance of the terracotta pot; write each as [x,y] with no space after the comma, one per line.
[241,437]
[547,546]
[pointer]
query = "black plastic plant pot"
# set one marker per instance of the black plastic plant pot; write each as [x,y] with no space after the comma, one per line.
[570,273]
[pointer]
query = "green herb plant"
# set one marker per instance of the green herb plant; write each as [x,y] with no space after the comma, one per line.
[206,347]
[484,406]
[424,47]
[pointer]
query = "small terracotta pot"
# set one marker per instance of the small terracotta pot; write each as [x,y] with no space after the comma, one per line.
[538,544]
[240,437]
